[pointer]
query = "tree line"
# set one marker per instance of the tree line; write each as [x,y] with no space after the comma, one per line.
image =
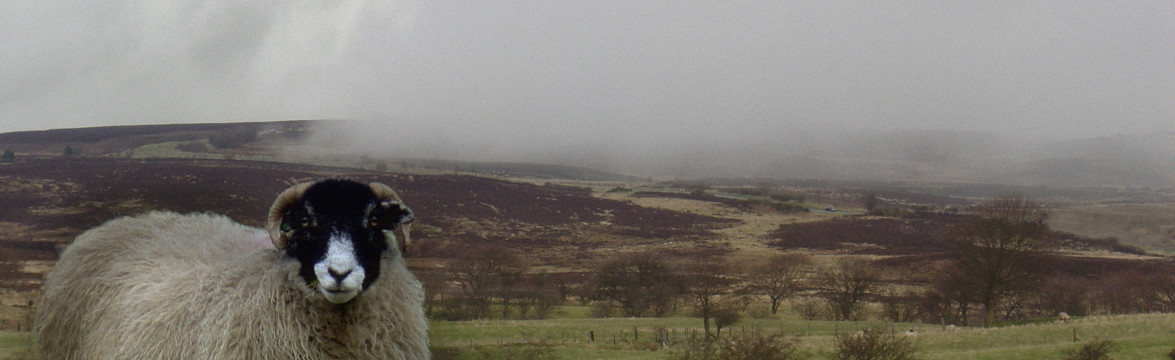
[1000,268]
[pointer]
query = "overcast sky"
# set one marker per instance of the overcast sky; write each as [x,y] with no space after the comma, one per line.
[591,73]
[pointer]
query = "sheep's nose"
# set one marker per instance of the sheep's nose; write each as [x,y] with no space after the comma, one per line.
[339,275]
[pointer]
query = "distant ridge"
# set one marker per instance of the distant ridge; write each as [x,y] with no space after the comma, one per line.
[93,134]
[113,140]
[1118,161]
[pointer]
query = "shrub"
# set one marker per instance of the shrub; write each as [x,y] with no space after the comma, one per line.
[451,309]
[845,285]
[810,309]
[739,347]
[602,310]
[568,188]
[505,352]
[725,316]
[879,343]
[1093,350]
[788,197]
[519,352]
[444,352]
[902,308]
[636,284]
[788,208]
[233,138]
[1069,294]
[193,147]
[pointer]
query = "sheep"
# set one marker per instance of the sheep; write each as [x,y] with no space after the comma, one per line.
[1063,317]
[331,285]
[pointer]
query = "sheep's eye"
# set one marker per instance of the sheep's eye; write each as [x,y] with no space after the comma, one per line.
[300,224]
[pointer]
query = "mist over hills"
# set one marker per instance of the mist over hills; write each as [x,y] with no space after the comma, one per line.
[1139,161]
[1120,160]
[1142,160]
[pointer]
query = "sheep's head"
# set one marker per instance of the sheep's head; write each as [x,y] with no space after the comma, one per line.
[339,230]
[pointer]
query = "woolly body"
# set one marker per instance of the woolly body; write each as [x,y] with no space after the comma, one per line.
[169,286]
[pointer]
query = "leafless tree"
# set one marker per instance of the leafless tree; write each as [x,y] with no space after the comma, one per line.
[710,282]
[725,316]
[903,307]
[1003,249]
[638,284]
[845,285]
[947,302]
[779,278]
[870,200]
[538,292]
[484,273]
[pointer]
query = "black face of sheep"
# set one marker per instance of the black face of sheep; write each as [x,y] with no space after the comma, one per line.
[338,230]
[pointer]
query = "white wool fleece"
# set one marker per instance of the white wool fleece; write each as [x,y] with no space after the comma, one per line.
[170,286]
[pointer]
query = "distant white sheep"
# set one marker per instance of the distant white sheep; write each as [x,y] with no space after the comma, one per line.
[169,286]
[1063,317]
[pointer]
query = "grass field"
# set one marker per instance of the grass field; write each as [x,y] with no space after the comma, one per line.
[1144,225]
[1147,336]
[15,345]
[1144,336]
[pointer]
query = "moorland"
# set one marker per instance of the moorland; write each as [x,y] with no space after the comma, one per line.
[555,228]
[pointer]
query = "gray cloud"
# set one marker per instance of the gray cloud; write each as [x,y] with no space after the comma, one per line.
[509,80]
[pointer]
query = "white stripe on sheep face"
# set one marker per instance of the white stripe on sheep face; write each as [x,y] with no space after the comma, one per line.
[340,276]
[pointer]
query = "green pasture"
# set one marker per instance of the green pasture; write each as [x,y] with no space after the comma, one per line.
[1145,336]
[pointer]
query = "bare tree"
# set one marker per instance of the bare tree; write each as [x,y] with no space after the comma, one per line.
[485,272]
[434,290]
[509,283]
[845,285]
[904,307]
[709,287]
[870,200]
[779,278]
[638,284]
[538,292]
[1001,250]
[725,316]
[947,302]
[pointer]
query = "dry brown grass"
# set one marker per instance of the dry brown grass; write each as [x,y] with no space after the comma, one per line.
[1149,226]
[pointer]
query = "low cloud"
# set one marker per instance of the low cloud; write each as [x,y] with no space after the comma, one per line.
[702,89]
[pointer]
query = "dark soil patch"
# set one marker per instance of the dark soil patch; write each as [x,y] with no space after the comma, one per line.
[883,236]
[741,204]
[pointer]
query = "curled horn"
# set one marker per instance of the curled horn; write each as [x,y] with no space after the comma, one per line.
[284,202]
[386,195]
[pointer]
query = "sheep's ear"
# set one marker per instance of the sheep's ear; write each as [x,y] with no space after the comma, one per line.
[396,217]
[394,214]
